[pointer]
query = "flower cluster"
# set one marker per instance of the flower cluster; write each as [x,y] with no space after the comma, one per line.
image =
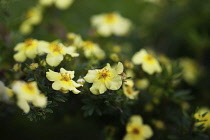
[32,47]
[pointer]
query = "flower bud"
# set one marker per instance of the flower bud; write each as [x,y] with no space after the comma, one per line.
[81,81]
[34,66]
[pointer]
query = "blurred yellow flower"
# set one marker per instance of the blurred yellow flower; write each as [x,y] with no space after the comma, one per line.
[28,92]
[111,23]
[5,93]
[63,4]
[136,130]
[142,83]
[128,89]
[32,17]
[92,50]
[203,120]
[190,70]
[149,63]
[46,2]
[27,49]
[75,40]
[60,4]
[63,81]
[55,52]
[106,78]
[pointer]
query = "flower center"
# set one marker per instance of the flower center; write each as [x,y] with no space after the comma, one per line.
[89,45]
[65,77]
[129,90]
[29,43]
[56,48]
[110,18]
[29,14]
[104,73]
[149,59]
[29,88]
[136,131]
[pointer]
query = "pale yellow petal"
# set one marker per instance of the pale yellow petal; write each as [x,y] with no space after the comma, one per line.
[138,57]
[114,83]
[98,88]
[43,47]
[20,56]
[104,30]
[53,76]
[90,76]
[19,47]
[71,51]
[136,119]
[40,101]
[75,91]
[23,104]
[119,68]
[54,60]
[57,85]
[76,84]
[147,131]
[63,4]
[31,53]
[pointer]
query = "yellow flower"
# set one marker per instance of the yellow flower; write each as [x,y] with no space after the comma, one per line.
[106,78]
[75,40]
[111,23]
[34,15]
[128,89]
[26,28]
[92,50]
[203,120]
[5,93]
[136,130]
[63,81]
[27,49]
[149,63]
[63,4]
[55,52]
[60,4]
[190,70]
[142,83]
[28,92]
[46,2]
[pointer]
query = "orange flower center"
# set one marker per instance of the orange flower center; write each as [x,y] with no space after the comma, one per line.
[104,73]
[65,77]
[136,131]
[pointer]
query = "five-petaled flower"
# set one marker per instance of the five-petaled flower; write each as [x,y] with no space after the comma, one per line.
[106,78]
[28,49]
[92,50]
[136,130]
[111,23]
[63,81]
[28,92]
[148,61]
[128,89]
[55,52]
